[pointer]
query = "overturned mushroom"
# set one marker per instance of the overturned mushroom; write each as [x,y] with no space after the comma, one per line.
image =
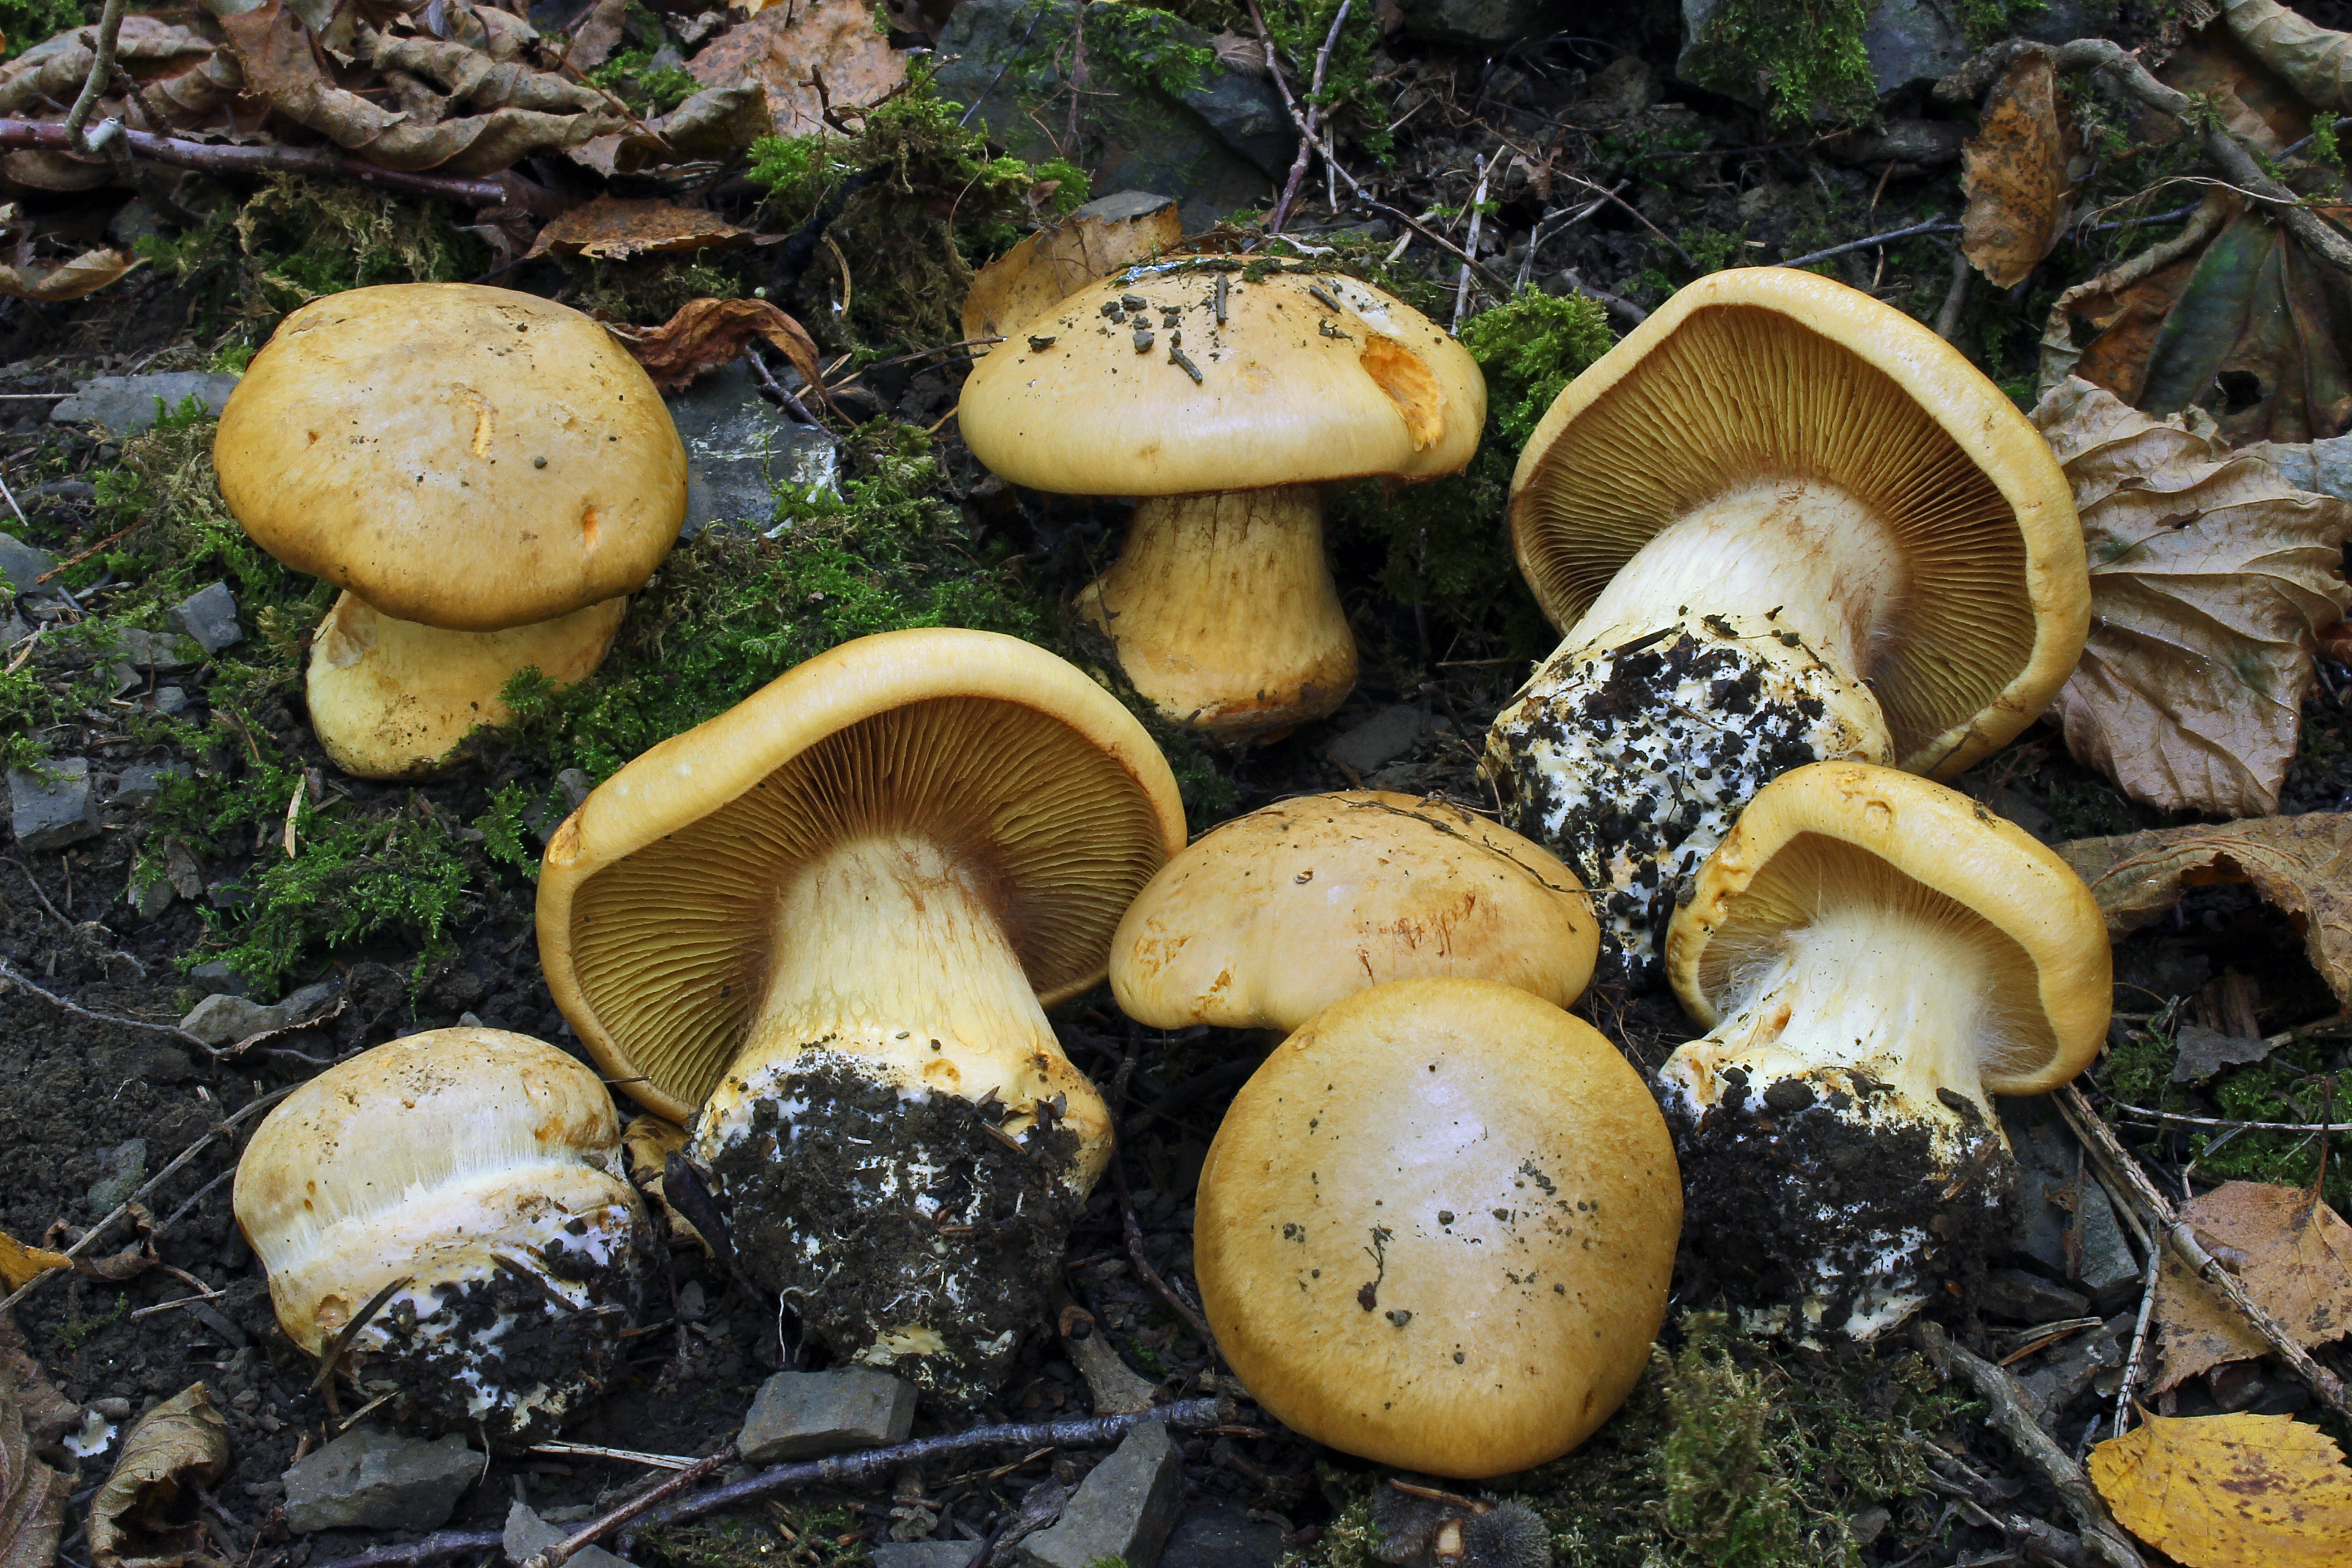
[824,926]
[1437,1228]
[1270,917]
[1872,955]
[1782,524]
[1224,396]
[487,474]
[446,1215]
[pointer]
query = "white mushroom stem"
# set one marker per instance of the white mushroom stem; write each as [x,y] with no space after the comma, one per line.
[1224,611]
[1729,649]
[889,950]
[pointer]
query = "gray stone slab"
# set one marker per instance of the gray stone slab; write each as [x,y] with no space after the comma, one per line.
[2017,1297]
[52,806]
[171,700]
[126,405]
[141,784]
[807,1415]
[209,616]
[923,1554]
[218,978]
[21,565]
[1123,1509]
[126,1167]
[158,650]
[13,629]
[372,1479]
[526,1533]
[1479,21]
[221,1019]
[1379,740]
[741,450]
[2064,1221]
[1221,1535]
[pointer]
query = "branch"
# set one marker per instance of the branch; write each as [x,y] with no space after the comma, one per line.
[101,73]
[502,190]
[2100,1140]
[2008,1413]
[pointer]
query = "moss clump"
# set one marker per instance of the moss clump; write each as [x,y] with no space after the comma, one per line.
[26,22]
[295,239]
[1804,57]
[727,612]
[937,202]
[2294,1084]
[1148,47]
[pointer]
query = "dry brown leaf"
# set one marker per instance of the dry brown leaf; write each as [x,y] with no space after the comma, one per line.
[2211,577]
[32,1495]
[611,229]
[593,35]
[1055,263]
[2230,1491]
[2301,865]
[2294,1258]
[785,47]
[145,1515]
[708,334]
[274,51]
[20,1264]
[2316,61]
[474,81]
[2014,171]
[46,1414]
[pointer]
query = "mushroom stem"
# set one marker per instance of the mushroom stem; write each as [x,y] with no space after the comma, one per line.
[1731,649]
[390,699]
[1224,611]
[901,1146]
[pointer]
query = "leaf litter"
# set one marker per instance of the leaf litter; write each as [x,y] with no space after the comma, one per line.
[2291,1253]
[2230,1491]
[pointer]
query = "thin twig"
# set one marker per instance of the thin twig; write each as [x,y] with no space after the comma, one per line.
[1307,120]
[79,556]
[605,1524]
[2182,1237]
[2174,1118]
[55,913]
[2009,1414]
[624,1455]
[1470,242]
[1639,216]
[101,73]
[1933,225]
[2139,1340]
[78,1011]
[1948,318]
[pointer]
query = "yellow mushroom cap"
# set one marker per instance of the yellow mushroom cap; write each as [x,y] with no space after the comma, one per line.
[465,457]
[1311,377]
[1766,372]
[1437,1229]
[1270,917]
[655,897]
[1832,830]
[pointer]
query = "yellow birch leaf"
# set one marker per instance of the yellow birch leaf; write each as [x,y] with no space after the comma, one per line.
[2230,1491]
[20,1263]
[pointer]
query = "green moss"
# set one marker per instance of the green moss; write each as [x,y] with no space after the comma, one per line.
[728,613]
[2294,1084]
[1147,47]
[1530,349]
[294,239]
[650,289]
[649,92]
[822,1535]
[1298,28]
[1804,58]
[28,22]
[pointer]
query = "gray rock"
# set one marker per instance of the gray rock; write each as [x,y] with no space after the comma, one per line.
[209,616]
[158,650]
[126,1167]
[1909,42]
[1221,1535]
[221,1020]
[576,786]
[1379,740]
[2077,1364]
[1478,21]
[526,1533]
[21,565]
[218,979]
[372,1479]
[2323,468]
[153,898]
[300,1004]
[2018,1297]
[923,1554]
[126,405]
[1122,1509]
[171,700]
[740,450]
[13,629]
[807,1415]
[2064,1220]
[52,805]
[1214,140]
[141,784]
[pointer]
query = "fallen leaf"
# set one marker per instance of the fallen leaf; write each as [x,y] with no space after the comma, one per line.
[1053,263]
[2296,1262]
[473,79]
[785,48]
[2301,865]
[2013,170]
[593,35]
[20,1264]
[32,1495]
[2230,1491]
[708,334]
[2204,1052]
[2314,60]
[611,229]
[46,1413]
[145,1516]
[2211,577]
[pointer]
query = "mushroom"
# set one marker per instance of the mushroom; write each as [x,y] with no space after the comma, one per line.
[1782,524]
[1270,917]
[1224,394]
[446,1217]
[824,926]
[1871,955]
[487,474]
[1437,1229]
